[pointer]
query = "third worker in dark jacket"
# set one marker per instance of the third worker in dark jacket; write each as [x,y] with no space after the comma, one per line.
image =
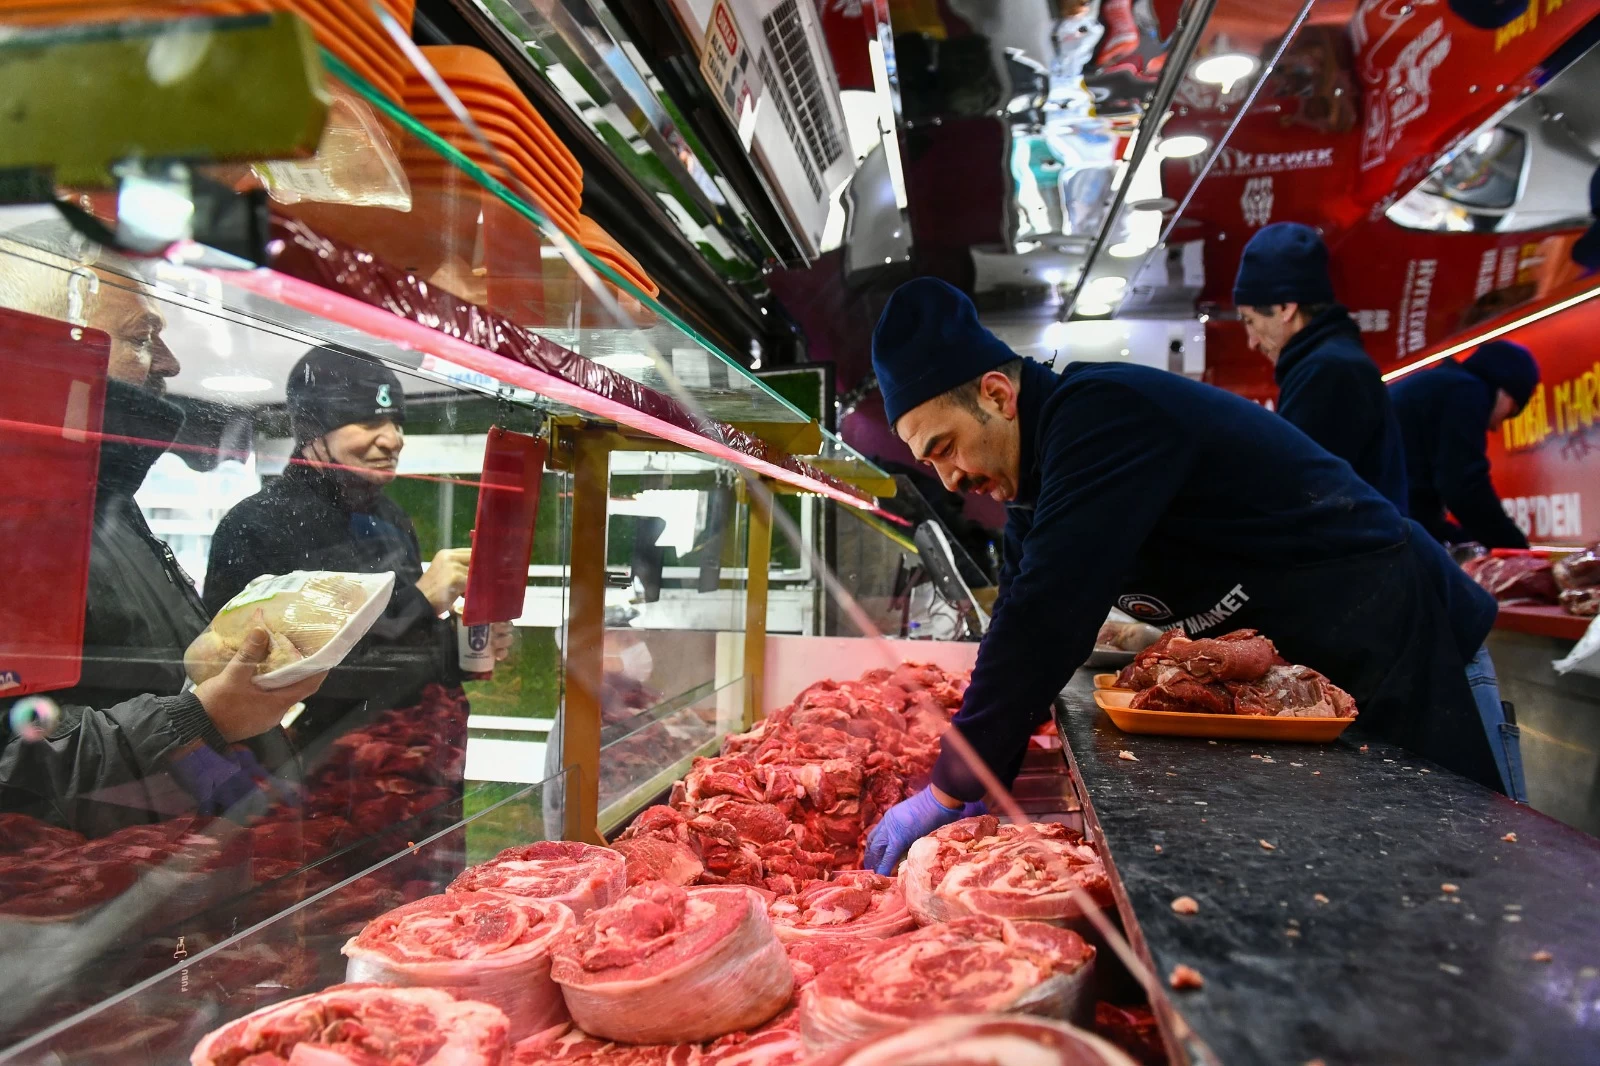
[1327,385]
[1446,413]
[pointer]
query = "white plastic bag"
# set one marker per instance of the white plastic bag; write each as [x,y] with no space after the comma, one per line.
[1585,655]
[314,618]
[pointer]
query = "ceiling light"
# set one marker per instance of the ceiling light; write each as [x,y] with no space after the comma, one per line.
[1127,250]
[1093,307]
[1224,69]
[1055,335]
[1182,146]
[621,361]
[235,383]
[1052,277]
[1108,287]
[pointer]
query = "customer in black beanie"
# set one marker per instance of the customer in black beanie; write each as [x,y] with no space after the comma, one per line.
[1446,413]
[328,512]
[1327,386]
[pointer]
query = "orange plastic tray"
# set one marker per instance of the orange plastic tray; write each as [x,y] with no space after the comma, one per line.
[552,186]
[512,108]
[559,213]
[1114,701]
[492,113]
[1105,680]
[469,67]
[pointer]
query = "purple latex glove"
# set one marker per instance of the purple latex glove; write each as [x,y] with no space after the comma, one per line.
[220,783]
[908,821]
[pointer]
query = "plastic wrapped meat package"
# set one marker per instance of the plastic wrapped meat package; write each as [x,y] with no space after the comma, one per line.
[1578,576]
[313,618]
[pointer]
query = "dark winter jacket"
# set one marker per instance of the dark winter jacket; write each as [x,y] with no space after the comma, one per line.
[1331,390]
[1444,416]
[102,767]
[1188,506]
[312,518]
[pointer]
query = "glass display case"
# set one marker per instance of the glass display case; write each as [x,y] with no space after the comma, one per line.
[263,377]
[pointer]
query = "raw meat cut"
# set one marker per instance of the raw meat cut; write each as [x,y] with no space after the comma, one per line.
[792,799]
[654,859]
[811,956]
[968,965]
[1237,673]
[568,1046]
[1578,570]
[978,866]
[22,834]
[666,964]
[1514,575]
[582,876]
[1133,1029]
[981,1040]
[852,904]
[483,946]
[777,1043]
[361,1025]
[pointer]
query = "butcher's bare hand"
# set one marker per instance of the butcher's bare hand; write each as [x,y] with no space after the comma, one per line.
[446,578]
[240,708]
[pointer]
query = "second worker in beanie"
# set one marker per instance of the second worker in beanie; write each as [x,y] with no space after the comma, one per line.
[1327,385]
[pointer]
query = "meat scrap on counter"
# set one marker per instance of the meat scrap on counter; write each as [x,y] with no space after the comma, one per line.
[978,866]
[1237,673]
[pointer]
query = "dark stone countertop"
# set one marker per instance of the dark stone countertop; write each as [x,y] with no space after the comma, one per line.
[1391,969]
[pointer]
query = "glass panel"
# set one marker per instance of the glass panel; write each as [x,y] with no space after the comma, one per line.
[186,980]
[160,463]
[675,552]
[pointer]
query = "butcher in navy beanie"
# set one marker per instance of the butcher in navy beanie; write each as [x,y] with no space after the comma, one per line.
[1285,263]
[1506,365]
[929,341]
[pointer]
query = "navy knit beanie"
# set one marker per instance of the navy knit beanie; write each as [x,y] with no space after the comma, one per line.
[1285,263]
[1506,365]
[1586,252]
[927,342]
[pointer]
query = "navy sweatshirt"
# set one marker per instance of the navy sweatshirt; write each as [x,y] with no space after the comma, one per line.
[1184,505]
[1444,416]
[1331,390]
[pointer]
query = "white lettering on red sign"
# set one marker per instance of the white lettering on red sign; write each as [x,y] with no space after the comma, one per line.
[1557,515]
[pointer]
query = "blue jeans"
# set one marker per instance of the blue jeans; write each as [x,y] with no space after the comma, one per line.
[1505,739]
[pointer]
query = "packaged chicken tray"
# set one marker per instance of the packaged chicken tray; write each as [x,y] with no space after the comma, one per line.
[314,618]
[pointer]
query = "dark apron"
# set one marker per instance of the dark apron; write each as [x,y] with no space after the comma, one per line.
[1377,625]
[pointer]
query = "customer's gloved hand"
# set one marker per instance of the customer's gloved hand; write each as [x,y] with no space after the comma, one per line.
[235,783]
[905,823]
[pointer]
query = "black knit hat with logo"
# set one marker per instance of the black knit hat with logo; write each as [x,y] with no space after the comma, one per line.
[328,389]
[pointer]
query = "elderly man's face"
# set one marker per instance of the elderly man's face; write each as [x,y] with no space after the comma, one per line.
[138,354]
[370,450]
[972,450]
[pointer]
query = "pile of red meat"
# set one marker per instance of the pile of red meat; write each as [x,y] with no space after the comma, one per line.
[792,799]
[1237,673]
[53,874]
[1513,575]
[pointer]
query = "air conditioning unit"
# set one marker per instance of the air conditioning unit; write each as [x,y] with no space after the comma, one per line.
[769,63]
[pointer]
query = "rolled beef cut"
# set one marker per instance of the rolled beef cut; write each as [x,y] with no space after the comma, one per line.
[978,866]
[582,876]
[567,1046]
[361,1025]
[475,945]
[667,965]
[964,966]
[981,1040]
[809,957]
[852,904]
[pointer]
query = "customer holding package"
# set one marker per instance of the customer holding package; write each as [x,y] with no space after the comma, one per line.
[328,512]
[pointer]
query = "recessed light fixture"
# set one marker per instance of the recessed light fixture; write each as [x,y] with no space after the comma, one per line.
[625,361]
[1093,307]
[235,383]
[1052,277]
[1182,146]
[1225,69]
[1108,288]
[1127,250]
